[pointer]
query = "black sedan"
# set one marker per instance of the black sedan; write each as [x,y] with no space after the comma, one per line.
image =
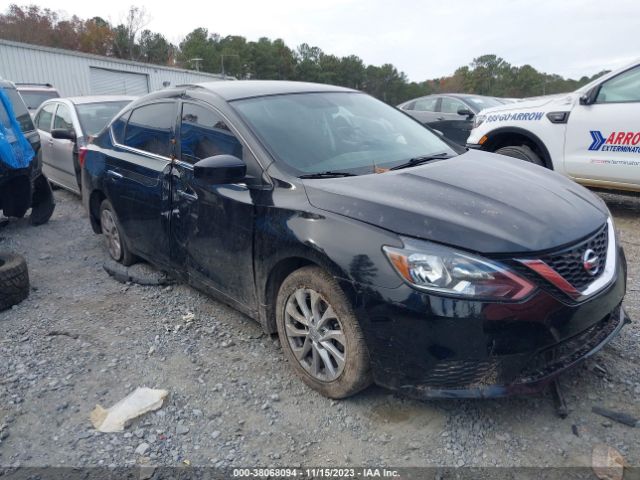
[377,251]
[451,113]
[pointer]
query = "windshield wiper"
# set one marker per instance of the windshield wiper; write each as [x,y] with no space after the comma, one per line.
[328,174]
[423,159]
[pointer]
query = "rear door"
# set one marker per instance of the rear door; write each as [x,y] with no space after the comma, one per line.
[62,151]
[454,126]
[602,143]
[212,225]
[137,171]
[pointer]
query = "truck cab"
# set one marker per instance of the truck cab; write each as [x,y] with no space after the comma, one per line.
[591,135]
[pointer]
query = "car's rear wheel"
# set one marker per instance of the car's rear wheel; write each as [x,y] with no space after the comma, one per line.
[114,236]
[521,153]
[320,334]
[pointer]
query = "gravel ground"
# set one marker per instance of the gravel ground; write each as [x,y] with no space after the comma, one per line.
[233,400]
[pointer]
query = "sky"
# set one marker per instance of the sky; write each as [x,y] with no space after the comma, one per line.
[425,39]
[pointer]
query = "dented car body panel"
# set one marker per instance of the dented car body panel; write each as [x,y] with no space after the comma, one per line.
[237,242]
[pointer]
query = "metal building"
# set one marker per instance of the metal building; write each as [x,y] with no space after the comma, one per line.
[75,73]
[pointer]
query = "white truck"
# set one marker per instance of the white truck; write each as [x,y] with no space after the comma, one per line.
[591,135]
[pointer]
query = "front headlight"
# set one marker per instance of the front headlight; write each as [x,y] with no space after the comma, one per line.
[478,120]
[436,268]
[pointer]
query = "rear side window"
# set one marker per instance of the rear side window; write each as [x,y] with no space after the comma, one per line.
[118,126]
[62,119]
[203,134]
[150,128]
[425,104]
[43,121]
[20,110]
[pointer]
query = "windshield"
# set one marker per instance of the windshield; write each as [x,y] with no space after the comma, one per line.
[95,116]
[22,115]
[34,99]
[345,132]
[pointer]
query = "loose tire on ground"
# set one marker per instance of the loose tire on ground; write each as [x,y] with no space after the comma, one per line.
[350,375]
[14,280]
[114,235]
[521,153]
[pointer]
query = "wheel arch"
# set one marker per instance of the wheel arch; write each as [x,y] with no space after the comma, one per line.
[514,136]
[95,200]
[281,268]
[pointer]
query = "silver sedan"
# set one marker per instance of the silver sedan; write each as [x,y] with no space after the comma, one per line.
[65,126]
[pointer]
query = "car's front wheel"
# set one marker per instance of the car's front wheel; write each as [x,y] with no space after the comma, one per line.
[320,334]
[521,153]
[114,236]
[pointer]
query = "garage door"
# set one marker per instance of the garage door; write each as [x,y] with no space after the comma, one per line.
[112,82]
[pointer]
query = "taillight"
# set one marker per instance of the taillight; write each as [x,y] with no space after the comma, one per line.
[82,154]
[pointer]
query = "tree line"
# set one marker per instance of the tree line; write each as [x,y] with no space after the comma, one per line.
[268,59]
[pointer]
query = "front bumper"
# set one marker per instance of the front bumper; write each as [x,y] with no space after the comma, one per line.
[430,346]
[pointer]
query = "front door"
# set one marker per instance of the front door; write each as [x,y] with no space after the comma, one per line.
[603,139]
[137,172]
[454,126]
[211,225]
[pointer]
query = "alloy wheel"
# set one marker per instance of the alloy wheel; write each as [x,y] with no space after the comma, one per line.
[315,334]
[110,231]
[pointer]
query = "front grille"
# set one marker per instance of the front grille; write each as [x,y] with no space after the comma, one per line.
[569,351]
[569,262]
[456,374]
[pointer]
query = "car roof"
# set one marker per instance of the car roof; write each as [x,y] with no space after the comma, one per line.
[98,99]
[35,87]
[6,84]
[237,89]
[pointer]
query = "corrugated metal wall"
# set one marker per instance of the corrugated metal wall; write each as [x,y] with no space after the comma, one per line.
[70,72]
[110,82]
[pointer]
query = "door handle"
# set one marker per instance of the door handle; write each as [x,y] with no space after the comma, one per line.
[439,118]
[187,196]
[114,174]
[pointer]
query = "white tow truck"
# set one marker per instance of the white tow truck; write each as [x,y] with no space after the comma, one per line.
[591,135]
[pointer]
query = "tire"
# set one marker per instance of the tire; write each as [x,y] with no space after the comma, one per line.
[42,202]
[114,235]
[521,153]
[312,286]
[14,280]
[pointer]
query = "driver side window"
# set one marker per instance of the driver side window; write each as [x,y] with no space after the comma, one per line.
[62,120]
[204,133]
[451,105]
[621,88]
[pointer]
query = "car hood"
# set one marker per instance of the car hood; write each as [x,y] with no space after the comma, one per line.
[562,99]
[477,201]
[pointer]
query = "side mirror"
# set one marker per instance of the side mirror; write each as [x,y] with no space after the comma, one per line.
[466,112]
[590,96]
[63,134]
[220,169]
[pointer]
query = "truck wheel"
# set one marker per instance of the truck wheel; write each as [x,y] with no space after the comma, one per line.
[320,334]
[521,153]
[114,236]
[14,280]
